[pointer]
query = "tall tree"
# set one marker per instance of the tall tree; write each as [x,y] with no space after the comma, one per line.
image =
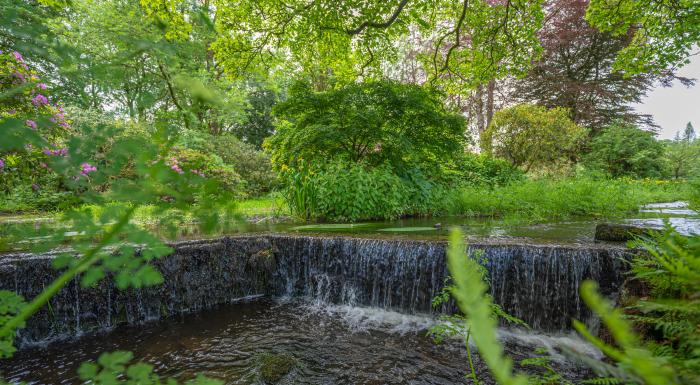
[576,71]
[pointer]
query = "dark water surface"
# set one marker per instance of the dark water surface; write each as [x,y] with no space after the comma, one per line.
[333,345]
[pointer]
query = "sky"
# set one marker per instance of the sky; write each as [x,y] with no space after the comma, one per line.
[673,107]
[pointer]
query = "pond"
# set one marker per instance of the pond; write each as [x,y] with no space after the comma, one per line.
[580,230]
[330,344]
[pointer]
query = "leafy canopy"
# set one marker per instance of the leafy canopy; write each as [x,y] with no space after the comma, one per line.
[664,32]
[372,123]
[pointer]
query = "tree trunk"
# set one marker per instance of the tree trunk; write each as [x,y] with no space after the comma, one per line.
[480,126]
[489,101]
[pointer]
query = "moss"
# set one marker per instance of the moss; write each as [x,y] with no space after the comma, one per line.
[274,366]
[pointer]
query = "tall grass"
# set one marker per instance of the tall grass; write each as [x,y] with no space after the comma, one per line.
[545,199]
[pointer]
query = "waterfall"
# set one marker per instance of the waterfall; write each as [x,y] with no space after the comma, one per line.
[537,283]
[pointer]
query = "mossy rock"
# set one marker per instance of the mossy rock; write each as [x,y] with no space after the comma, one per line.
[275,366]
[620,233]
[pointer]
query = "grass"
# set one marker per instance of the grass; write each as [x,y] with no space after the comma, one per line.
[547,199]
[270,205]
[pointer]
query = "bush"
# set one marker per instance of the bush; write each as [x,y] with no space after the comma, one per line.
[352,192]
[252,165]
[531,136]
[373,123]
[625,150]
[483,170]
[206,165]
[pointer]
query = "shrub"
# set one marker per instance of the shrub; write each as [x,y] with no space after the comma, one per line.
[251,164]
[625,150]
[531,136]
[352,192]
[206,165]
[483,170]
[372,123]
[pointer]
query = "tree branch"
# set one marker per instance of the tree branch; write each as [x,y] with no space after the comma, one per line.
[384,24]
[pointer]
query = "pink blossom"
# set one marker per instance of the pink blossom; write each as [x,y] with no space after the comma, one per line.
[35,187]
[87,168]
[2,164]
[19,76]
[176,168]
[31,124]
[18,56]
[40,100]
[41,86]
[197,172]
[59,152]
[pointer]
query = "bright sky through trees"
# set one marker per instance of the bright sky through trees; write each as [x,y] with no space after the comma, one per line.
[673,107]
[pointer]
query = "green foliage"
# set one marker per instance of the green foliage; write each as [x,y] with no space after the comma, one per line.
[469,291]
[552,199]
[230,153]
[111,369]
[664,33]
[531,136]
[258,123]
[343,192]
[625,150]
[682,154]
[251,164]
[635,363]
[330,42]
[483,170]
[10,305]
[543,362]
[670,267]
[373,123]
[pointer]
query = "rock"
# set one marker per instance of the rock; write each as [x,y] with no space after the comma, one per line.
[619,232]
[438,225]
[274,366]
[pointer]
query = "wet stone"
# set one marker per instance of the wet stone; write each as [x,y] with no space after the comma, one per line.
[620,232]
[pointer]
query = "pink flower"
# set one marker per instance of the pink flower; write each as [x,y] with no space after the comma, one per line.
[40,100]
[176,168]
[41,86]
[31,124]
[18,56]
[59,152]
[35,187]
[2,164]
[87,168]
[19,76]
[197,172]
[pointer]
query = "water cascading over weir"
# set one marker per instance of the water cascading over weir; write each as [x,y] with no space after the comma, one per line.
[537,283]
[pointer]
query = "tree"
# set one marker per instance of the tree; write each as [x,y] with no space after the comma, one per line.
[329,41]
[258,123]
[664,32]
[625,150]
[683,152]
[530,136]
[576,71]
[371,123]
[689,133]
[144,70]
